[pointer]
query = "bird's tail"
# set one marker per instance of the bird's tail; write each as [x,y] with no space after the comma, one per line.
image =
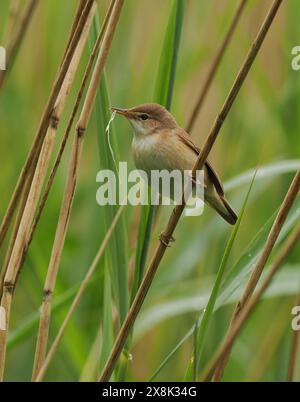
[222,207]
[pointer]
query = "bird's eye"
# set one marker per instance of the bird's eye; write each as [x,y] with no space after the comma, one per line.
[144,116]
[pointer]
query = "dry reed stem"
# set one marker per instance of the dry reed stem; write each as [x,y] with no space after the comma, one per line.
[259,266]
[251,304]
[70,187]
[294,350]
[55,118]
[215,65]
[36,185]
[78,296]
[177,211]
[79,11]
[69,126]
[34,152]
[91,94]
[15,229]
[16,255]
[60,234]
[13,47]
[61,99]
[46,152]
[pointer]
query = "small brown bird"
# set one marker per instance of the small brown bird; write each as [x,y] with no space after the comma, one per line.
[159,143]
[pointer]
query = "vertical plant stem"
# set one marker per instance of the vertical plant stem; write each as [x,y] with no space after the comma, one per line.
[35,189]
[259,266]
[15,229]
[90,97]
[78,296]
[58,108]
[79,11]
[41,347]
[177,211]
[69,126]
[70,187]
[43,126]
[14,45]
[16,255]
[215,65]
[294,349]
[251,304]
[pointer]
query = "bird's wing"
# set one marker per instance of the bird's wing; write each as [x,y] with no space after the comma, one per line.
[186,139]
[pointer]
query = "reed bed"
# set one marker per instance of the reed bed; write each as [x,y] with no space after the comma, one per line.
[201,307]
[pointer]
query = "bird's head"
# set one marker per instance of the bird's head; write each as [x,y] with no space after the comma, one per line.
[148,118]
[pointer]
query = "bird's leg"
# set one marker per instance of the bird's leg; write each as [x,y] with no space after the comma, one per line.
[166,240]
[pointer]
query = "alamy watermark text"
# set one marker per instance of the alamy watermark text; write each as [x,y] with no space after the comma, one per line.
[138,187]
[2,58]
[296,59]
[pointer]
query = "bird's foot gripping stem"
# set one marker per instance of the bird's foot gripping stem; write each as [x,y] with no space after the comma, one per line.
[165,240]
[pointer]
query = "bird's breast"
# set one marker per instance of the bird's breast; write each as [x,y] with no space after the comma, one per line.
[147,154]
[161,151]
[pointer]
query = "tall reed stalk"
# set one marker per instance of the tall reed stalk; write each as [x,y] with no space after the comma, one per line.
[215,66]
[250,305]
[30,174]
[69,126]
[70,187]
[80,8]
[259,266]
[85,282]
[202,324]
[176,214]
[17,222]
[41,348]
[22,236]
[35,149]
[52,131]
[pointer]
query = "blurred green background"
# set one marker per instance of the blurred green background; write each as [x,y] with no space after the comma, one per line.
[261,129]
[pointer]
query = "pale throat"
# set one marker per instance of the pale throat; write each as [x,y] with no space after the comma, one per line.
[146,152]
[139,129]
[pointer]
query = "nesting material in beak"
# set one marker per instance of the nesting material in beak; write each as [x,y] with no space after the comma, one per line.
[123,112]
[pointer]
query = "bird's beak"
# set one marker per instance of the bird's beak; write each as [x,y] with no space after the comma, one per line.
[123,112]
